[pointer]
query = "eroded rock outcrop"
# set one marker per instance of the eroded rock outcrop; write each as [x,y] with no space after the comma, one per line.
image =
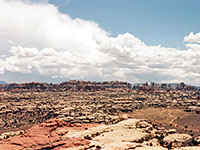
[177,140]
[48,135]
[127,134]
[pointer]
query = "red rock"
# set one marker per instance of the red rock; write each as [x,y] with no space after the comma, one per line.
[36,131]
[10,147]
[22,141]
[53,124]
[61,131]
[59,143]
[41,140]
[75,142]
[47,135]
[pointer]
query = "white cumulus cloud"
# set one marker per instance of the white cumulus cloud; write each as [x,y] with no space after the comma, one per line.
[192,38]
[37,37]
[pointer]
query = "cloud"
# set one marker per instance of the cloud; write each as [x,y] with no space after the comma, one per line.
[36,37]
[192,38]
[1,67]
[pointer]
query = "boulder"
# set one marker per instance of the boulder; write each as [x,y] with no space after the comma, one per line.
[197,139]
[143,124]
[154,142]
[177,140]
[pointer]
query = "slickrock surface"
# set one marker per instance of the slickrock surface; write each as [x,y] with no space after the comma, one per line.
[48,135]
[128,134]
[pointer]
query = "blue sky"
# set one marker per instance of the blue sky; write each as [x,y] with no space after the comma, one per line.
[155,22]
[127,40]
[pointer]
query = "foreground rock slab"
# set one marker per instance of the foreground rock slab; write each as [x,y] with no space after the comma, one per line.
[128,134]
[48,135]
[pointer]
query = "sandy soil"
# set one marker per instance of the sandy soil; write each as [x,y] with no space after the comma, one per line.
[184,122]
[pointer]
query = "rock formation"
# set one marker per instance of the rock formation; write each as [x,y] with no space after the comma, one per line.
[128,134]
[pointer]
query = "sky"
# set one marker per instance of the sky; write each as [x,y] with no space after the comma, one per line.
[128,40]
